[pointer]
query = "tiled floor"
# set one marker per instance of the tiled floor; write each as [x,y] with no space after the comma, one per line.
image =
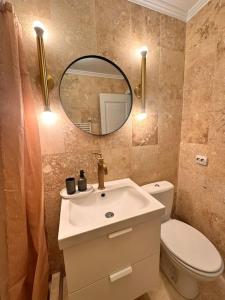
[208,291]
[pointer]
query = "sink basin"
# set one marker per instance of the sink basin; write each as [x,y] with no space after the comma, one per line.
[121,202]
[99,206]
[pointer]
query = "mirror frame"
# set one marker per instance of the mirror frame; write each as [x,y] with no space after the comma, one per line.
[118,68]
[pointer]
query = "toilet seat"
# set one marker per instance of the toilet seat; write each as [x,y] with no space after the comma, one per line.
[196,273]
[191,248]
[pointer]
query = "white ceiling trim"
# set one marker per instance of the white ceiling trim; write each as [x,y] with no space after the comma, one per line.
[196,8]
[172,10]
[163,7]
[93,74]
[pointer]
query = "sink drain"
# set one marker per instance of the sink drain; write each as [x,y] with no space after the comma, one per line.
[109,214]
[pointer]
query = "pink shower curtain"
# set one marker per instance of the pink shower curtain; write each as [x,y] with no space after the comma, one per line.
[23,251]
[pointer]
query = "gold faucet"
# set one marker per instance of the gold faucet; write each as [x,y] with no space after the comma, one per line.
[102,170]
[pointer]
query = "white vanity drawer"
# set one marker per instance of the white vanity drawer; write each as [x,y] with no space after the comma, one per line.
[144,277]
[88,262]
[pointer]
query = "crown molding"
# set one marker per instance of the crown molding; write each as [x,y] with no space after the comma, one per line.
[93,74]
[196,8]
[163,7]
[172,10]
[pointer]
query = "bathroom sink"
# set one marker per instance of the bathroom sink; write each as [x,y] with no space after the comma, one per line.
[121,202]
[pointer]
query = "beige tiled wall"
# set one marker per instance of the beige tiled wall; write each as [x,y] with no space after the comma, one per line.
[80,97]
[201,193]
[115,29]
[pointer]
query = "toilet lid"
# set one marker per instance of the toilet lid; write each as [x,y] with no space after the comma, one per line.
[190,246]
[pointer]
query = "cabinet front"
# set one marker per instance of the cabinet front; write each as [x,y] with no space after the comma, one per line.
[89,262]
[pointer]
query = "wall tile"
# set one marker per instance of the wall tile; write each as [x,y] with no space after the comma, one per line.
[172,33]
[201,190]
[118,162]
[145,132]
[76,140]
[144,161]
[171,78]
[116,30]
[58,167]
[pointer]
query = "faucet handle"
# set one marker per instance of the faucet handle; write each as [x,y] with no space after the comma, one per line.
[99,155]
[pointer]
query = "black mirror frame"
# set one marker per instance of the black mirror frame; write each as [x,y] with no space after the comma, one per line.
[118,68]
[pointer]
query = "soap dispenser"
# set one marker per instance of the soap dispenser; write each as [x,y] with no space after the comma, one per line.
[82,182]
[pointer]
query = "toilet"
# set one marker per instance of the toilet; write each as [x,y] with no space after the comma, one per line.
[187,256]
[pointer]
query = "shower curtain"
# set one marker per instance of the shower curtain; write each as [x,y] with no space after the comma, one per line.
[23,251]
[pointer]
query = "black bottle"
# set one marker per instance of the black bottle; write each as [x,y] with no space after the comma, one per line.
[82,182]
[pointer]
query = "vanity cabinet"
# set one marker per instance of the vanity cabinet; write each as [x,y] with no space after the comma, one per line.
[119,265]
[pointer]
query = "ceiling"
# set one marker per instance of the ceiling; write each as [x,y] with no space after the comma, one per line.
[181,9]
[91,64]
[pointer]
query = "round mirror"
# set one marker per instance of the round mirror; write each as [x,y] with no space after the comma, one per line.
[96,95]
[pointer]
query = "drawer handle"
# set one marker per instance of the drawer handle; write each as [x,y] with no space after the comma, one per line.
[120,274]
[118,233]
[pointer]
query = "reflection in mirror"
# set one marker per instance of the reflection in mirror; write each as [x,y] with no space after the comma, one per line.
[96,95]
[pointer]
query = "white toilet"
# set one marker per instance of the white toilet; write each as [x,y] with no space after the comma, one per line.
[186,254]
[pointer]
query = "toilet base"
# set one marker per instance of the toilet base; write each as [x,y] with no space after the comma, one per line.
[186,285]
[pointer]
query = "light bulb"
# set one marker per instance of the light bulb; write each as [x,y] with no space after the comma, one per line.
[141,116]
[40,29]
[48,117]
[144,50]
[38,24]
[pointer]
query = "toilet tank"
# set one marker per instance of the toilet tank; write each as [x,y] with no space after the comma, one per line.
[163,191]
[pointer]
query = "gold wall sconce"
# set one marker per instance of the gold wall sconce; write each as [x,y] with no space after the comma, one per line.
[46,80]
[140,90]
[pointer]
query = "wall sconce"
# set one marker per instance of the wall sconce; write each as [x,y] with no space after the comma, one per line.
[140,90]
[46,80]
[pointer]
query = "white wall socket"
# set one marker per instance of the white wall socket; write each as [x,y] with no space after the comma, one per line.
[201,160]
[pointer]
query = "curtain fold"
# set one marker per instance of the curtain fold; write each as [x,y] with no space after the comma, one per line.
[22,234]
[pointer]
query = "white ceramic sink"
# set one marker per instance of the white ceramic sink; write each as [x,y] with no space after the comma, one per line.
[89,216]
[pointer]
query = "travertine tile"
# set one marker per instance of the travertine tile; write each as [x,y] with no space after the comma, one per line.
[220,6]
[202,28]
[145,26]
[77,141]
[201,190]
[195,127]
[57,167]
[169,128]
[116,30]
[213,290]
[208,291]
[198,89]
[144,161]
[41,9]
[50,142]
[113,31]
[118,162]
[171,78]
[118,139]
[82,104]
[172,33]
[145,132]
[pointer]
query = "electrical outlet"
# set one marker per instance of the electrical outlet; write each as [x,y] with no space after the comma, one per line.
[201,160]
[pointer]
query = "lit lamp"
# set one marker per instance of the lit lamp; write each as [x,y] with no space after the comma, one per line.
[46,80]
[140,90]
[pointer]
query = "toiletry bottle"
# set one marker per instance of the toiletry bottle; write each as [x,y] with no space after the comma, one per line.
[82,182]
